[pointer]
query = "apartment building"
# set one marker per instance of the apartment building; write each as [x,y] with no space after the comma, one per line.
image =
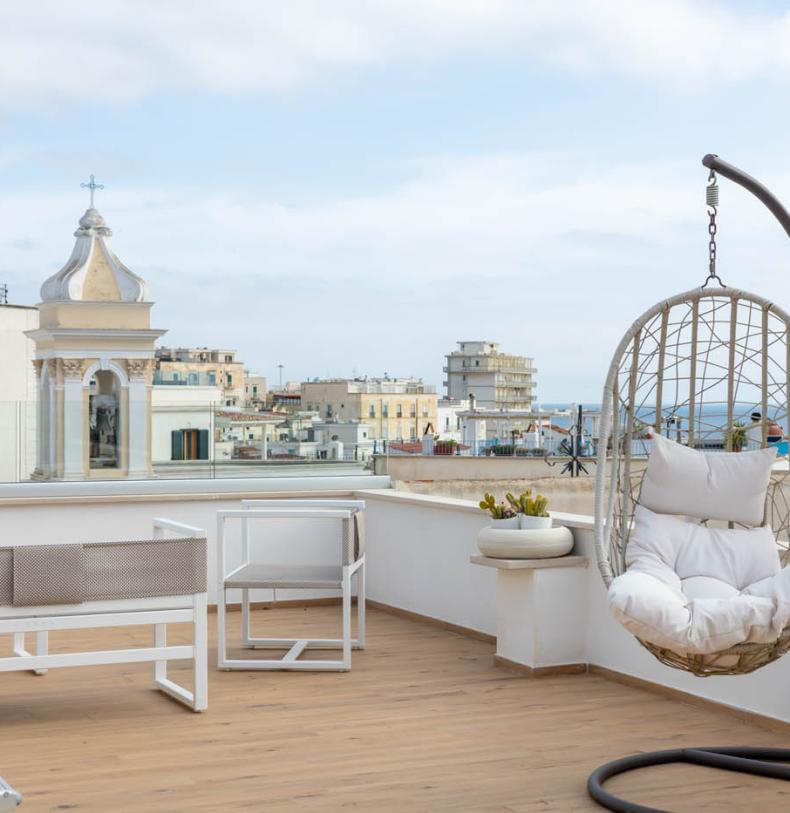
[497,380]
[255,390]
[393,408]
[217,367]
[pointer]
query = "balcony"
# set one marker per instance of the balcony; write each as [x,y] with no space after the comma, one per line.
[424,721]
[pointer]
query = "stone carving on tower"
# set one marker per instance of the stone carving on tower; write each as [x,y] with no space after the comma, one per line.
[94,351]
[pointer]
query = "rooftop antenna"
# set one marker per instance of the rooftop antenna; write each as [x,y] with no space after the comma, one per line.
[93,186]
[280,368]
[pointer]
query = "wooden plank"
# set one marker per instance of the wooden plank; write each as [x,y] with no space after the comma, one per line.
[423,722]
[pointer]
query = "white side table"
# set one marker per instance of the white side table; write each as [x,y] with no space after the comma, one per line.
[541,613]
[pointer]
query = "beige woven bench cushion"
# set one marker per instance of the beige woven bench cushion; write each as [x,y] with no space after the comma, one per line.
[49,574]
[112,570]
[353,538]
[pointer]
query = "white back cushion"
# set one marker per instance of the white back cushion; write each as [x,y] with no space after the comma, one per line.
[716,485]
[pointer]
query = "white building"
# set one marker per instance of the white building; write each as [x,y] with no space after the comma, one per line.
[448,418]
[18,395]
[497,380]
[182,422]
[355,438]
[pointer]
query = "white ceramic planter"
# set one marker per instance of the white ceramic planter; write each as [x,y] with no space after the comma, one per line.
[528,523]
[517,543]
[510,522]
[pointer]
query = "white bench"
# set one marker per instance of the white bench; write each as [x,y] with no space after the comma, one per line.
[122,588]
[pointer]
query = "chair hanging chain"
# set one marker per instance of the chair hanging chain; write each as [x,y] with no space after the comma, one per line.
[712,201]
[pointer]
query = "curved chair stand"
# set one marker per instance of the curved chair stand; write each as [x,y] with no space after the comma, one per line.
[756,761]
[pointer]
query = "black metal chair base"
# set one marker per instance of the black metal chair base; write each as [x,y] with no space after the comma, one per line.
[757,761]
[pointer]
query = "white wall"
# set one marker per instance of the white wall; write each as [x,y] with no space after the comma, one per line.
[174,408]
[419,549]
[18,393]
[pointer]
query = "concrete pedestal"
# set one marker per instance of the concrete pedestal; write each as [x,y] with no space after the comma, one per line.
[541,613]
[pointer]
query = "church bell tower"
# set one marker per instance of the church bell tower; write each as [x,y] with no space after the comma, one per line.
[94,364]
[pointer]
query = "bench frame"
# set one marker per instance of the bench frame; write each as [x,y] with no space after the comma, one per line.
[157,611]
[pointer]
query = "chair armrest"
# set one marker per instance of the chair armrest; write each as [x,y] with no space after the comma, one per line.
[160,525]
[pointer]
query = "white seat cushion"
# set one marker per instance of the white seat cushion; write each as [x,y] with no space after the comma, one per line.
[706,587]
[716,485]
[699,590]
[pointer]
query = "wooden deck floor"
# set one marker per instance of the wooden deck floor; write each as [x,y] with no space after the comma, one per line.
[423,722]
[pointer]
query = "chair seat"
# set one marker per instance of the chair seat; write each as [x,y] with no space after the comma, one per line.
[286,576]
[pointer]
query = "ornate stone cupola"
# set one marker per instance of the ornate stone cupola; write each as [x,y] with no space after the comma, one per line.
[94,363]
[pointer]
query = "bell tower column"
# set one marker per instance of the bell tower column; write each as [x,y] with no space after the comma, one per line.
[139,411]
[74,420]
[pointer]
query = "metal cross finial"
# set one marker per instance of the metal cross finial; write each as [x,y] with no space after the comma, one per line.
[93,186]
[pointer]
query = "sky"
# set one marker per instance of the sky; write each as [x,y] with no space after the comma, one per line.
[350,188]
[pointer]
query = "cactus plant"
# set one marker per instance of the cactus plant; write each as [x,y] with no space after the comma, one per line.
[525,504]
[498,510]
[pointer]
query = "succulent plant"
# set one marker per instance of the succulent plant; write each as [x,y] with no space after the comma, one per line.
[498,510]
[525,504]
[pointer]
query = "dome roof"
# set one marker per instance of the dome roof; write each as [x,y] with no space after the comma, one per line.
[94,273]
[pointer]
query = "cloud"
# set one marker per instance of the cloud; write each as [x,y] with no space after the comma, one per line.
[549,254]
[122,50]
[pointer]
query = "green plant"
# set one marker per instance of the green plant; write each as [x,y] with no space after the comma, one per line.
[498,510]
[736,436]
[525,504]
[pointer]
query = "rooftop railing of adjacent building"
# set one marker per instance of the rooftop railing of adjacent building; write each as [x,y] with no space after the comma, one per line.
[179,379]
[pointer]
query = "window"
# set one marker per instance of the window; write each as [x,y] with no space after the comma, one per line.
[399,411]
[189,444]
[385,410]
[228,379]
[372,411]
[412,410]
[254,390]
[228,359]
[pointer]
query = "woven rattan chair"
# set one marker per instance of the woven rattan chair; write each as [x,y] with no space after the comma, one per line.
[692,368]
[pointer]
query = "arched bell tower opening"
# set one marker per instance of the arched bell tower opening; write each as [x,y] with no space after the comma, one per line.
[104,419]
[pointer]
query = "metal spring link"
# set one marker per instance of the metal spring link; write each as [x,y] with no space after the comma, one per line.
[712,200]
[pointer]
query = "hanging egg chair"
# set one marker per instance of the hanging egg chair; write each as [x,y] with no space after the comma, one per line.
[693,369]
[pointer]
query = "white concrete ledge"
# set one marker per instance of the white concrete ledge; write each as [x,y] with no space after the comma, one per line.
[578,521]
[530,564]
[230,488]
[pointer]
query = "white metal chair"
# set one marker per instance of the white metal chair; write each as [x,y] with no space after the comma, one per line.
[250,575]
